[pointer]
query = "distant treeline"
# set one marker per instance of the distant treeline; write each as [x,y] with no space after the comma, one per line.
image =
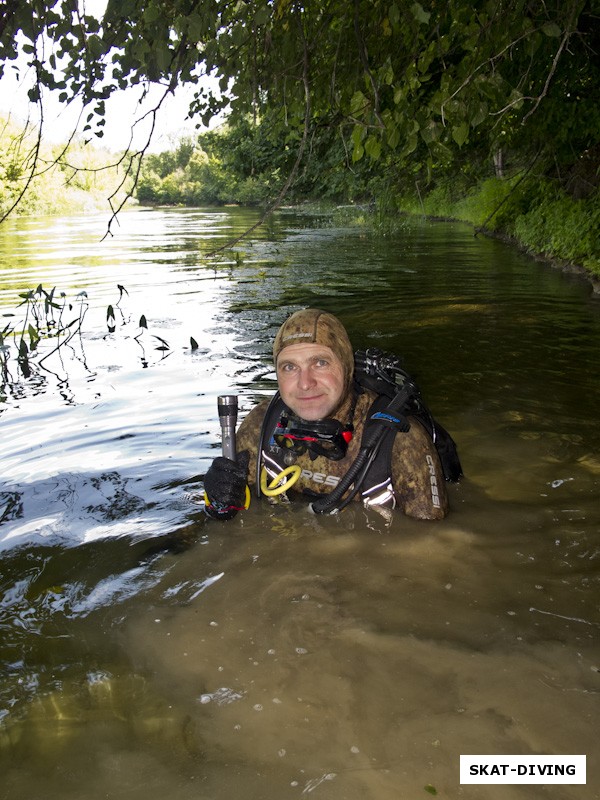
[53,178]
[549,208]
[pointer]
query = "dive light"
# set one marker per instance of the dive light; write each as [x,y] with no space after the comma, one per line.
[228,410]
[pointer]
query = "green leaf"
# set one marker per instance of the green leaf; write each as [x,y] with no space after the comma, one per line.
[386,73]
[262,16]
[143,323]
[163,56]
[480,115]
[95,46]
[193,343]
[373,147]
[551,29]
[516,98]
[460,133]
[358,134]
[430,789]
[151,13]
[411,144]
[431,132]
[357,152]
[358,103]
[420,14]
[239,34]
[393,136]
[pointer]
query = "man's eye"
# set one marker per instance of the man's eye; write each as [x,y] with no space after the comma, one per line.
[322,362]
[287,367]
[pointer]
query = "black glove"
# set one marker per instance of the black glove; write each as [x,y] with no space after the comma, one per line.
[225,486]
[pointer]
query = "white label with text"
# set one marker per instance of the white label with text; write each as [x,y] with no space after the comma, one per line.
[522,769]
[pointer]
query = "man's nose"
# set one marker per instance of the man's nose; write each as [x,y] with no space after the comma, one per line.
[306,378]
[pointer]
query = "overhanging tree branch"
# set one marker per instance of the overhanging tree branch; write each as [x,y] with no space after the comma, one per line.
[33,157]
[364,60]
[549,77]
[300,154]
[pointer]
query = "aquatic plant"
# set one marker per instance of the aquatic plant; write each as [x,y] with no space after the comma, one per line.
[47,324]
[42,320]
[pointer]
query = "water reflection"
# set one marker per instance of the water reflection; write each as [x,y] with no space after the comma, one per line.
[285,654]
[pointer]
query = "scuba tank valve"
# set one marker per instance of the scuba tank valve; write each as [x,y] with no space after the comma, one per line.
[227,406]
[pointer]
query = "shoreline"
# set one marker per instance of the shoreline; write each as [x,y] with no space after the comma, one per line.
[568,267]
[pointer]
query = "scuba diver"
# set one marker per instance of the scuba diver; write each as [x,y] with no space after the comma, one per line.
[342,426]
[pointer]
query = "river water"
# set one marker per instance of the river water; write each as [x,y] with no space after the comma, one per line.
[147,653]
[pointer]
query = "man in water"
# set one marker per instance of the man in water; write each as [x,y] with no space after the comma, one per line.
[316,424]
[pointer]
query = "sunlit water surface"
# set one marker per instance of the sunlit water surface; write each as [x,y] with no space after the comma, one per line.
[150,654]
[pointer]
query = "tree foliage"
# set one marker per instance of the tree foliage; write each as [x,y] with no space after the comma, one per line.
[415,81]
[37,178]
[245,163]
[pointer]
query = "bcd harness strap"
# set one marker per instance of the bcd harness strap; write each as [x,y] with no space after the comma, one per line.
[377,429]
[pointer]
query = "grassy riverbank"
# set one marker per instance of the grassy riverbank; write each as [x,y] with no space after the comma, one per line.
[536,215]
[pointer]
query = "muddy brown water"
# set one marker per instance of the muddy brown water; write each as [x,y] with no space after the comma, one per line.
[147,653]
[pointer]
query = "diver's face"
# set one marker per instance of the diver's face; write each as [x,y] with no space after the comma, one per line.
[311,380]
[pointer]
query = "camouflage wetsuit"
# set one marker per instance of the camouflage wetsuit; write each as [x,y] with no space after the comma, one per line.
[417,478]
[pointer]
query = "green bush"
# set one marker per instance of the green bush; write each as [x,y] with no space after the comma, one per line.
[484,204]
[535,211]
[439,202]
[562,228]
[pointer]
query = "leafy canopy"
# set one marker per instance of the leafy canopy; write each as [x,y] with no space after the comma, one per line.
[420,79]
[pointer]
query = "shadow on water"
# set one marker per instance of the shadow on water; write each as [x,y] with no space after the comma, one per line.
[147,653]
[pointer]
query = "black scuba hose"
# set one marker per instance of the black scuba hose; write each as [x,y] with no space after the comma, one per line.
[329,502]
[261,441]
[371,441]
